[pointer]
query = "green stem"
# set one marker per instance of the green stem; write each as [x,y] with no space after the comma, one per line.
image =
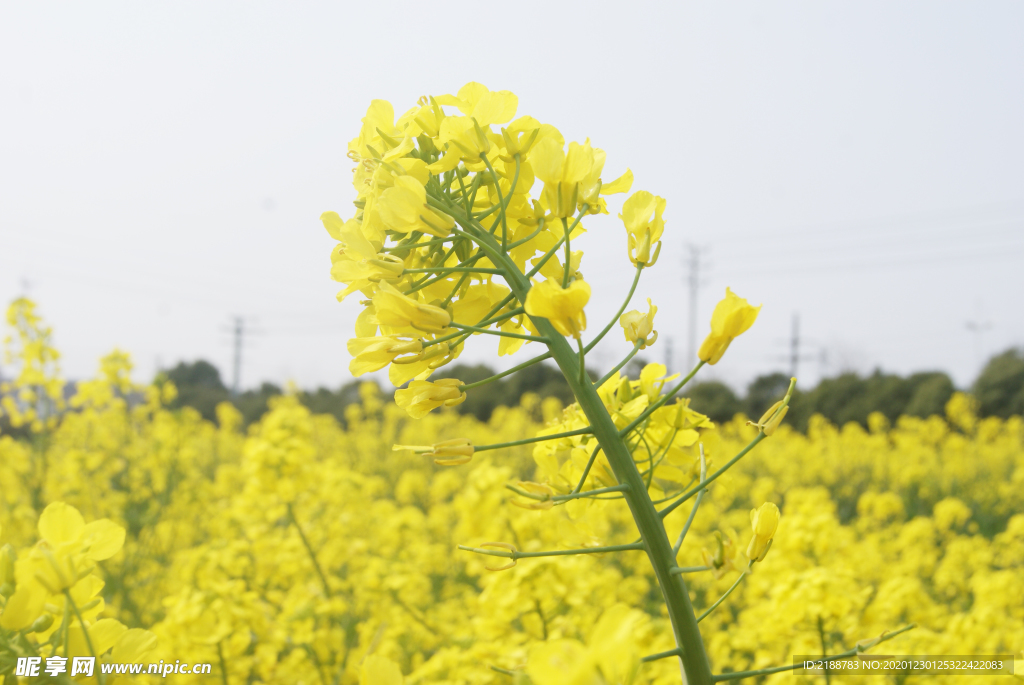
[501,200]
[704,483]
[568,255]
[722,598]
[693,512]
[824,650]
[604,378]
[458,285]
[632,288]
[528,238]
[583,363]
[487,331]
[586,470]
[660,655]
[309,550]
[689,569]
[527,441]
[739,675]
[544,259]
[85,631]
[650,525]
[589,493]
[67,626]
[223,664]
[531,362]
[553,553]
[453,269]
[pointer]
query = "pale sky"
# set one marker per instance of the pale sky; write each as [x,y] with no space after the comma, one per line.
[163,168]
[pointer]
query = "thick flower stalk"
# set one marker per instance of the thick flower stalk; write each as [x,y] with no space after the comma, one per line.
[465,223]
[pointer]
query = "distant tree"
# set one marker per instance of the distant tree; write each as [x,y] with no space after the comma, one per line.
[763,392]
[253,403]
[714,399]
[931,392]
[333,402]
[199,386]
[1000,387]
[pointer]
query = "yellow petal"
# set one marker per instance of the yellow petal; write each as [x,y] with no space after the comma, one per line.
[24,606]
[133,645]
[60,524]
[378,670]
[103,539]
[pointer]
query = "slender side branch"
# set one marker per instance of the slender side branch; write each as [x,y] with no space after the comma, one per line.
[529,362]
[487,331]
[660,655]
[85,631]
[604,331]
[309,550]
[693,512]
[539,438]
[514,555]
[604,378]
[860,648]
[721,599]
[704,483]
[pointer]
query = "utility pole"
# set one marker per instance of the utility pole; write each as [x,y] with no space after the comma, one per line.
[692,263]
[979,328]
[795,355]
[668,354]
[794,346]
[236,377]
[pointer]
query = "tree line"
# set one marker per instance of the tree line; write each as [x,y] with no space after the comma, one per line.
[847,397]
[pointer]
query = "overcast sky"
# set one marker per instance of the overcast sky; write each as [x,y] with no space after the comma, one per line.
[163,167]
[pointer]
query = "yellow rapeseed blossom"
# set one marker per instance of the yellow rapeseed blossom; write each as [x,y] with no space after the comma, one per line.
[640,327]
[764,521]
[423,396]
[641,214]
[732,317]
[563,307]
[396,310]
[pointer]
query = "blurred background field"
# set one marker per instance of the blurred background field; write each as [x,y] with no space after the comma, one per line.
[286,550]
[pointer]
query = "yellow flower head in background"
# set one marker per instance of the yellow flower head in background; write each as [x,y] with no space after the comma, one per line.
[732,317]
[563,307]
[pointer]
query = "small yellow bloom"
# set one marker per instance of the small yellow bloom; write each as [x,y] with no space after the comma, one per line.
[373,354]
[393,308]
[421,397]
[403,208]
[563,307]
[378,670]
[732,317]
[764,521]
[640,327]
[641,214]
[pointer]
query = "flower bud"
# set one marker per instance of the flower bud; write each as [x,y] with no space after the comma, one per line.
[41,624]
[764,521]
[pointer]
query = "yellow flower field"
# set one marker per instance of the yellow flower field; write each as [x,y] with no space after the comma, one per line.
[290,553]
